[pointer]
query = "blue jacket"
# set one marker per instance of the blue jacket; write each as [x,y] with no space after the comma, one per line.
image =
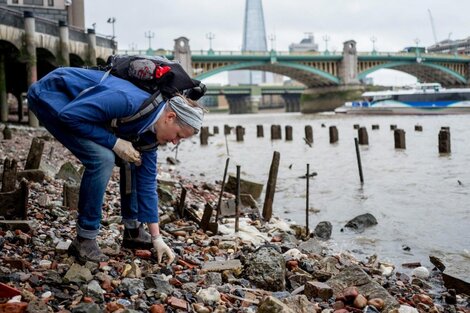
[90,114]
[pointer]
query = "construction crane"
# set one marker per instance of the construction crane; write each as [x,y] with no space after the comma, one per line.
[432,26]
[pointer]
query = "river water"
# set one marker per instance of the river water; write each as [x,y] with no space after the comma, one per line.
[420,198]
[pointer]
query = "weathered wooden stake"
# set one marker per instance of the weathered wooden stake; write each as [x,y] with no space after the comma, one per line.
[363,137]
[7,133]
[13,204]
[216,130]
[288,133]
[271,187]
[418,128]
[308,134]
[375,126]
[227,129]
[222,190]
[237,201]
[393,127]
[70,195]
[356,126]
[444,140]
[333,134]
[276,132]
[240,131]
[35,153]
[181,202]
[359,164]
[259,131]
[204,135]
[307,176]
[400,140]
[10,170]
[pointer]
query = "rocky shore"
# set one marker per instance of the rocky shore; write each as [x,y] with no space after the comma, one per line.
[265,267]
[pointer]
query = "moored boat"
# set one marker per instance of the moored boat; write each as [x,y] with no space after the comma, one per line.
[428,98]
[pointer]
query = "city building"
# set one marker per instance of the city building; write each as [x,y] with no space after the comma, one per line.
[306,45]
[459,46]
[70,11]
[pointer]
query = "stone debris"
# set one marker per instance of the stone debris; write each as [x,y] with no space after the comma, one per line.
[265,267]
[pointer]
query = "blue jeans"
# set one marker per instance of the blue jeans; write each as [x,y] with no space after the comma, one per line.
[99,162]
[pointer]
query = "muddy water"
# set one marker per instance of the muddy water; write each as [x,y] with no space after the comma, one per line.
[421,199]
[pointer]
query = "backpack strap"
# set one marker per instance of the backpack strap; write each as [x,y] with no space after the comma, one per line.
[148,106]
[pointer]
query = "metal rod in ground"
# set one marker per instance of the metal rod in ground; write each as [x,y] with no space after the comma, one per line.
[306,202]
[176,152]
[359,164]
[226,145]
[221,191]
[237,201]
[271,187]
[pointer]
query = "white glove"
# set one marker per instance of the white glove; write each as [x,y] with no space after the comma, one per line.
[126,151]
[162,248]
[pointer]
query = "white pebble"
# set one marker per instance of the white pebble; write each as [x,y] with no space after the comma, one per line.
[420,272]
[407,309]
[46,295]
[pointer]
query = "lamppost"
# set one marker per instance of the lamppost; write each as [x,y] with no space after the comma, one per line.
[272,38]
[149,35]
[418,57]
[210,36]
[326,38]
[373,39]
[112,20]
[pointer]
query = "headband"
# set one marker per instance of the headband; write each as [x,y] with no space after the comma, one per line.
[187,113]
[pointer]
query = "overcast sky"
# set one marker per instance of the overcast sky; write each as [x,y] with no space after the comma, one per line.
[394,23]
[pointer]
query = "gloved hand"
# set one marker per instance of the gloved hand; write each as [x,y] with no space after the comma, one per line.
[162,248]
[126,151]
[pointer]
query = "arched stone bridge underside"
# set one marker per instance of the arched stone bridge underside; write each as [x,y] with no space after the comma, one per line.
[326,70]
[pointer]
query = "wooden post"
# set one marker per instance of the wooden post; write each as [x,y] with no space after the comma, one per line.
[181,202]
[333,134]
[375,126]
[259,131]
[288,129]
[359,164]
[222,190]
[356,126]
[227,129]
[10,171]
[444,140]
[70,195]
[7,133]
[239,132]
[418,128]
[393,127]
[13,204]
[271,187]
[307,176]
[216,130]
[237,201]
[35,153]
[276,132]
[204,136]
[308,134]
[399,136]
[363,137]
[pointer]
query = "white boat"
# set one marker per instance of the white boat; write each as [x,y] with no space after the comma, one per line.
[428,98]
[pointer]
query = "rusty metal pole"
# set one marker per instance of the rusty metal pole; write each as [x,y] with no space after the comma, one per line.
[306,201]
[237,201]
[359,164]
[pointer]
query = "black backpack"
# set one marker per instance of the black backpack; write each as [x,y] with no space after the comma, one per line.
[155,73]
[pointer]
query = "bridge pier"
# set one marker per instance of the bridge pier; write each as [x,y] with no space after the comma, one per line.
[315,100]
[243,104]
[63,55]
[31,58]
[292,102]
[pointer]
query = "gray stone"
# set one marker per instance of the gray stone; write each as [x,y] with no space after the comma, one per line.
[134,286]
[159,284]
[246,186]
[323,230]
[87,308]
[78,274]
[219,266]
[273,305]
[355,276]
[300,304]
[266,269]
[361,222]
[63,246]
[311,246]
[315,289]
[94,290]
[68,172]
[37,306]
[213,278]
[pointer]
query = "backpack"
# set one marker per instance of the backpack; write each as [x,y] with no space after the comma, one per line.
[155,73]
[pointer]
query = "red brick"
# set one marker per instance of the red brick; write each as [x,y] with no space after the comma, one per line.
[15,307]
[178,303]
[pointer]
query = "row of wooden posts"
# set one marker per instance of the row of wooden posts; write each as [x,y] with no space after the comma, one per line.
[363,138]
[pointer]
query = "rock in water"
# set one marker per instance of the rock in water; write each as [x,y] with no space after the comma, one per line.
[361,222]
[323,230]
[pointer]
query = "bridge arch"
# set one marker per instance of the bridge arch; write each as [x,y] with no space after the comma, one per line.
[424,72]
[307,75]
